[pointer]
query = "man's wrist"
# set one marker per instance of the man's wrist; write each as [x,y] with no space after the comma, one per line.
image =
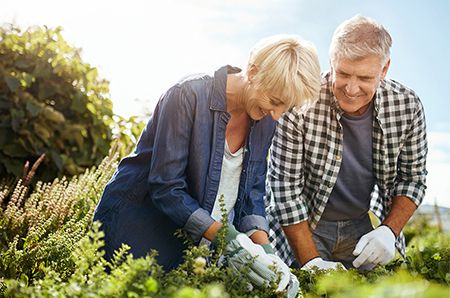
[390,228]
[313,258]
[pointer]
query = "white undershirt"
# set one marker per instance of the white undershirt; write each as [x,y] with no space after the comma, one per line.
[229,182]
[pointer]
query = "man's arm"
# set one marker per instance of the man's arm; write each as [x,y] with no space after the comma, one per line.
[378,246]
[301,241]
[401,211]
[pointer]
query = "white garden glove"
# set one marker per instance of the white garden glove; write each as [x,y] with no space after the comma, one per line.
[321,264]
[375,247]
[240,251]
[288,279]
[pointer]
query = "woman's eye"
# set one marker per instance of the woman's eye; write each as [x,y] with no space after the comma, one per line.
[275,102]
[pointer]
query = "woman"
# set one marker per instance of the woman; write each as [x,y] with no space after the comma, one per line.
[208,136]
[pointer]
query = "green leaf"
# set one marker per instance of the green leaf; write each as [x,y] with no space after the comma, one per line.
[57,159]
[46,90]
[33,108]
[78,103]
[13,83]
[26,80]
[91,108]
[14,150]
[13,166]
[5,103]
[22,63]
[42,132]
[52,115]
[6,135]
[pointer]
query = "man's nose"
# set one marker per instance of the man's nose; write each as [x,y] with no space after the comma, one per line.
[352,87]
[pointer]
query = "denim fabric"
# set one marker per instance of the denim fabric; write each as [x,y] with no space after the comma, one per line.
[171,179]
[336,240]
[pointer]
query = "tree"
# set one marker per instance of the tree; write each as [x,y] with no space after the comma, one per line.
[50,102]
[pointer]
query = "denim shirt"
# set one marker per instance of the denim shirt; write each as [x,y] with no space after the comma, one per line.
[177,163]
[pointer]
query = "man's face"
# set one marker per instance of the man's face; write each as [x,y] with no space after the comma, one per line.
[355,82]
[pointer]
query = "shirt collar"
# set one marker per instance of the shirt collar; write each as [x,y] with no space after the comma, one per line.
[219,96]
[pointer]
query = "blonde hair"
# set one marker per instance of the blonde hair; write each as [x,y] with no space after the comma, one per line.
[359,37]
[288,66]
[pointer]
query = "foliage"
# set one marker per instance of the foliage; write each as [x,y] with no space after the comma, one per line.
[396,284]
[41,229]
[51,102]
[126,132]
[48,247]
[127,277]
[429,256]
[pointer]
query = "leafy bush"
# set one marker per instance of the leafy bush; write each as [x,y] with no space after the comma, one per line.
[50,102]
[41,229]
[398,284]
[49,248]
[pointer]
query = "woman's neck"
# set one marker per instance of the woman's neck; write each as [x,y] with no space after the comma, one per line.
[235,93]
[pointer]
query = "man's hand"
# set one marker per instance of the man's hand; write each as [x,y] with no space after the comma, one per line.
[321,264]
[376,247]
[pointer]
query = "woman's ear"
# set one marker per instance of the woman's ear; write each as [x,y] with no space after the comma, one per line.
[252,70]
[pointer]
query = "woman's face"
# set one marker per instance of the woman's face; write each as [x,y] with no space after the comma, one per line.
[260,104]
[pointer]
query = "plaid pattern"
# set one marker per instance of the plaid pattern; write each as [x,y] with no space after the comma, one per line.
[306,155]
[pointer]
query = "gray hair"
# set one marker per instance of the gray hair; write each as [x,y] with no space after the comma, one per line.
[359,37]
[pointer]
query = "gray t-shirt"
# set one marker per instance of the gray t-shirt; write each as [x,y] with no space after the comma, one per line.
[350,198]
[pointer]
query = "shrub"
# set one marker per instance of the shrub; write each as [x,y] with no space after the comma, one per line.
[41,229]
[50,102]
[50,248]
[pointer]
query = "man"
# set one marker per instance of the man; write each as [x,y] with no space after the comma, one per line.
[361,147]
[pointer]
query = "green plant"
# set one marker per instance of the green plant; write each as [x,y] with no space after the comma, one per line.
[50,248]
[40,229]
[51,102]
[429,256]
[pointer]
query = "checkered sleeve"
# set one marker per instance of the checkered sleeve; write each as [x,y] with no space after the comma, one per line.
[285,175]
[411,172]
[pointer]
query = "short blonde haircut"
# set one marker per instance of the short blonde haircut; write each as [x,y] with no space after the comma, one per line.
[359,37]
[288,66]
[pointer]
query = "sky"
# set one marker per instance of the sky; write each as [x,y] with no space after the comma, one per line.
[144,47]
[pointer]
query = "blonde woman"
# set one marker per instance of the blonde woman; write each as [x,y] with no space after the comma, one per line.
[208,136]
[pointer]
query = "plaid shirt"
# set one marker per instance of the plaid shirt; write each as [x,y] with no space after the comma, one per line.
[306,155]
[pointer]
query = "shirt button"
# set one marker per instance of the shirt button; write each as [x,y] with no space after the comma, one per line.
[338,157]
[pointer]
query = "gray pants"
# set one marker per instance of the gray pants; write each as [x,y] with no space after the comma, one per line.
[336,240]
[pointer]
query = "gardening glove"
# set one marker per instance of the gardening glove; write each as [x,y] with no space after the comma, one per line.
[321,264]
[288,280]
[242,253]
[375,247]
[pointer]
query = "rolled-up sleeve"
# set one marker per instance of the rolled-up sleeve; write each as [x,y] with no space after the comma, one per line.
[254,222]
[411,178]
